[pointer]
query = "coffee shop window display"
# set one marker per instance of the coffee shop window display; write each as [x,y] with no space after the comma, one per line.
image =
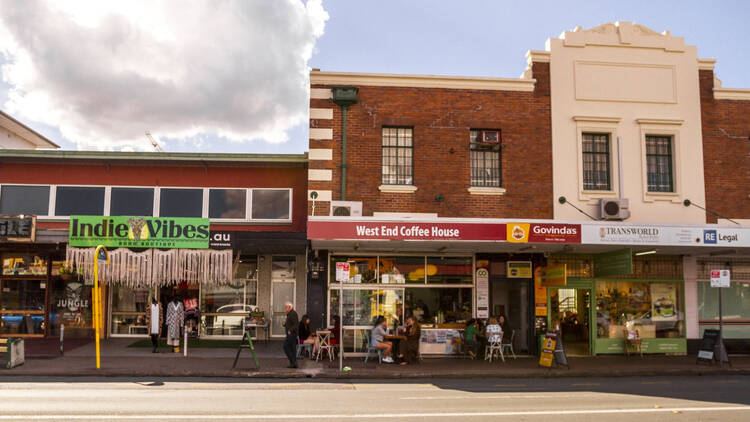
[437,290]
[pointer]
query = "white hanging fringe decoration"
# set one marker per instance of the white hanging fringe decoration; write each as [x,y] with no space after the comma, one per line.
[155,268]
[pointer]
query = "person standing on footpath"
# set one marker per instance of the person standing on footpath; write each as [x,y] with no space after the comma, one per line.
[291,325]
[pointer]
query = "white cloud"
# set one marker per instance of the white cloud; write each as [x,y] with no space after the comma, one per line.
[106,71]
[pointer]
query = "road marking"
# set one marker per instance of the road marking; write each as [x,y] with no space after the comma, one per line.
[585,384]
[500,397]
[726,381]
[375,415]
[510,385]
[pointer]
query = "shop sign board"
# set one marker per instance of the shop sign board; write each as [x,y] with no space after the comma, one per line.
[16,354]
[518,269]
[720,278]
[371,230]
[552,275]
[483,293]
[543,233]
[621,234]
[708,344]
[139,232]
[17,228]
[221,239]
[548,350]
[540,299]
[619,262]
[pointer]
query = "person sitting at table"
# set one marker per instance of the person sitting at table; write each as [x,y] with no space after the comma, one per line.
[505,326]
[470,336]
[305,332]
[379,331]
[493,332]
[409,349]
[335,330]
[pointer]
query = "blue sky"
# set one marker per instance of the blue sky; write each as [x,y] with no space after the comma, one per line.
[479,38]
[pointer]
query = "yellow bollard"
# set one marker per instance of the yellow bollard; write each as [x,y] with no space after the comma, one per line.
[97,299]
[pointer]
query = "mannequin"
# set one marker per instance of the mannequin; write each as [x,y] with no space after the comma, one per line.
[154,321]
[175,321]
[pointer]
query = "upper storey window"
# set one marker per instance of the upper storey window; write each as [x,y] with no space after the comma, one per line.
[596,161]
[659,163]
[398,157]
[485,158]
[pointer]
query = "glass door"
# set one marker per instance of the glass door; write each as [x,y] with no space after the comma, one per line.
[569,310]
[281,292]
[361,306]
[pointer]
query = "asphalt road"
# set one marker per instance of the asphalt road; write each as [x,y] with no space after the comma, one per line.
[464,400]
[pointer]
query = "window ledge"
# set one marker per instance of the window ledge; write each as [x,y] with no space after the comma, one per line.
[483,190]
[663,196]
[397,188]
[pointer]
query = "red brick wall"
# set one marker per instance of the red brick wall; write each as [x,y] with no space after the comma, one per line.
[726,152]
[58,172]
[441,119]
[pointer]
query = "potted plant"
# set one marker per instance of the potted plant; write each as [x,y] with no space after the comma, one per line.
[67,273]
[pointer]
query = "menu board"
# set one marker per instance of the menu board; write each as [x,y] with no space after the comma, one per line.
[483,293]
[342,272]
[439,341]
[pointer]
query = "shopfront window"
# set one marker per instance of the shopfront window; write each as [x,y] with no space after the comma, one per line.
[361,269]
[22,306]
[655,309]
[24,264]
[224,307]
[402,269]
[735,308]
[449,270]
[444,305]
[129,307]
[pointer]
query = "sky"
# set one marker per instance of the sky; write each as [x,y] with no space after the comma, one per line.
[232,76]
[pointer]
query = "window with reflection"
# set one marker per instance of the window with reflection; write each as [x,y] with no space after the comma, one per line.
[449,270]
[224,307]
[24,264]
[227,203]
[129,307]
[271,204]
[361,269]
[402,269]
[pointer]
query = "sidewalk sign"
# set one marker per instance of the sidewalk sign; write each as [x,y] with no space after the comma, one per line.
[246,343]
[548,350]
[14,352]
[560,357]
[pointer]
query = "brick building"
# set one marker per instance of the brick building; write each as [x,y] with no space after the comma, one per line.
[440,196]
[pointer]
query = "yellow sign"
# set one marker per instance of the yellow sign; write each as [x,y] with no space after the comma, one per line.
[548,350]
[540,299]
[517,232]
[518,269]
[553,275]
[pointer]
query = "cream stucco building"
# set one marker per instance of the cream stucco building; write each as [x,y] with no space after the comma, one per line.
[615,88]
[16,135]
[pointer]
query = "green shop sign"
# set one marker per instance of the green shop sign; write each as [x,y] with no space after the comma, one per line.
[139,232]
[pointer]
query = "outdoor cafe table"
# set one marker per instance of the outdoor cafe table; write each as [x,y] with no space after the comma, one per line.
[395,339]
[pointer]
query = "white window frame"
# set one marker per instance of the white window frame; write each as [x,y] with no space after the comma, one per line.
[605,125]
[157,201]
[270,220]
[662,127]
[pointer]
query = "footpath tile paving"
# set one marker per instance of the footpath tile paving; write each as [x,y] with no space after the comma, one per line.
[119,360]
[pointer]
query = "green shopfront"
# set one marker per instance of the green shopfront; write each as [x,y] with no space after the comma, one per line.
[592,312]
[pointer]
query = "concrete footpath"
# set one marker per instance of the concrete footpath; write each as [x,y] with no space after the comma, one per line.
[119,360]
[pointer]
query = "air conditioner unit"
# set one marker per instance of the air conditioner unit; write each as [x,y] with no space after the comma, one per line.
[490,137]
[614,209]
[346,208]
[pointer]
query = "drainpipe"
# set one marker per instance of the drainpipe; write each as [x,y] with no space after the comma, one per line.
[344,96]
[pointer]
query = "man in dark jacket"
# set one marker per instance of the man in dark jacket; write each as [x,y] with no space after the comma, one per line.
[291,325]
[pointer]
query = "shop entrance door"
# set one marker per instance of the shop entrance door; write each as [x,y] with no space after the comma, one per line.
[281,292]
[570,310]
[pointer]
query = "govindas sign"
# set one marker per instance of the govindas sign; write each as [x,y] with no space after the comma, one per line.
[139,232]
